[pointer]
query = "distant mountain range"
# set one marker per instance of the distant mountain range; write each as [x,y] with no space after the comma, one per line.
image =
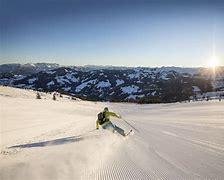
[26,69]
[117,84]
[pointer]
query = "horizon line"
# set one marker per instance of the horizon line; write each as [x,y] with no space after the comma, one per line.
[107,65]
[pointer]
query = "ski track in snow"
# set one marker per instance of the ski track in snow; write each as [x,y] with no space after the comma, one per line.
[175,141]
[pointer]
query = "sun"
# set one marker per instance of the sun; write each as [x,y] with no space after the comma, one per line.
[214,62]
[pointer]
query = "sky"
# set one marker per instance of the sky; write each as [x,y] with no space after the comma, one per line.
[149,33]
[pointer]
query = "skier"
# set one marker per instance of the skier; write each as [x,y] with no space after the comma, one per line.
[104,121]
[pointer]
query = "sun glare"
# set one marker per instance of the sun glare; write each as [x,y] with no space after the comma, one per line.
[214,62]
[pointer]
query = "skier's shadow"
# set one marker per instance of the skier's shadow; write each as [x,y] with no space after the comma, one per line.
[54,142]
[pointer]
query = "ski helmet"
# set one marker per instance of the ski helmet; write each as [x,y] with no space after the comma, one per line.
[106,109]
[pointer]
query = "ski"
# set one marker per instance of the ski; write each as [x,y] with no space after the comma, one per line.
[128,133]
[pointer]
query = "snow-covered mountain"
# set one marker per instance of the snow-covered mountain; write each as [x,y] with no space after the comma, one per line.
[26,69]
[143,85]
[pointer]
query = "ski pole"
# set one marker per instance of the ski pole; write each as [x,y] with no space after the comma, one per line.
[130,125]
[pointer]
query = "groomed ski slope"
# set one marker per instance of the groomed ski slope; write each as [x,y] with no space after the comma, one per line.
[49,140]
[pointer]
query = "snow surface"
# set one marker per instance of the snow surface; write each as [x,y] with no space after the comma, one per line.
[72,77]
[196,89]
[119,82]
[164,76]
[66,88]
[49,140]
[134,96]
[83,85]
[31,81]
[50,72]
[19,77]
[153,93]
[103,84]
[134,75]
[62,80]
[50,83]
[130,89]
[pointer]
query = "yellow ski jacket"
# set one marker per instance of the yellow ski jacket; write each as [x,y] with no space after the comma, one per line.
[107,117]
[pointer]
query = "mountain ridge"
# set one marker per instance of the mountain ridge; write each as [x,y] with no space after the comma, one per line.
[140,84]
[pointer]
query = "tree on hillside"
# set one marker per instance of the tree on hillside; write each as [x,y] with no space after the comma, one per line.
[38,96]
[54,96]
